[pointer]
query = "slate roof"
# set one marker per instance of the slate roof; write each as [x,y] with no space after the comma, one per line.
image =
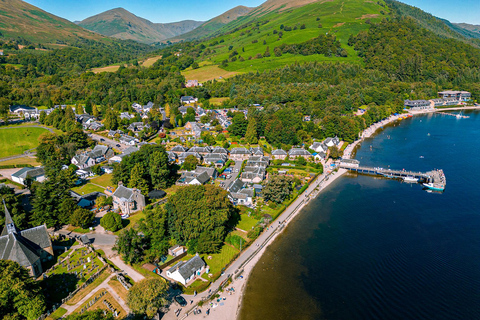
[248,192]
[258,151]
[179,148]
[209,171]
[236,186]
[123,192]
[279,152]
[188,269]
[14,248]
[240,151]
[211,157]
[184,155]
[298,152]
[81,159]
[29,172]
[219,150]
[15,108]
[200,149]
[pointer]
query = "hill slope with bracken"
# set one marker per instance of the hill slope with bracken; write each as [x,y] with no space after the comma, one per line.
[212,25]
[20,19]
[122,24]
[278,33]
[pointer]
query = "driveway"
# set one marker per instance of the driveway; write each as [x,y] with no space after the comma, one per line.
[235,170]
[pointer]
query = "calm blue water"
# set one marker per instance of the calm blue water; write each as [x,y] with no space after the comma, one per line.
[372,248]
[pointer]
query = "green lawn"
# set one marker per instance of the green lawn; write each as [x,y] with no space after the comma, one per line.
[221,259]
[20,161]
[57,314]
[16,140]
[104,180]
[246,223]
[87,188]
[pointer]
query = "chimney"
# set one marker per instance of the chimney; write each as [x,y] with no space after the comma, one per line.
[120,183]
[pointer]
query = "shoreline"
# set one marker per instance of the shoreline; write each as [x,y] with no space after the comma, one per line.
[230,307]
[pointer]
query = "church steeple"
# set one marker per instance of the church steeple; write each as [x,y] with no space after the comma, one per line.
[9,224]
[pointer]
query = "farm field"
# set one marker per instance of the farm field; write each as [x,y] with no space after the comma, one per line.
[23,160]
[206,73]
[150,61]
[16,140]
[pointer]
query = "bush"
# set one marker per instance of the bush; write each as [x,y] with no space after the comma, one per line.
[255,232]
[111,221]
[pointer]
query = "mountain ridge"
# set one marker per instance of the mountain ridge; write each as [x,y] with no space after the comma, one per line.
[122,24]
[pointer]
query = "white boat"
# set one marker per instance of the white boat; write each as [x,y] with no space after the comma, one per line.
[410,179]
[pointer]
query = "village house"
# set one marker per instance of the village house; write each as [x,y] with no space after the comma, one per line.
[220,150]
[128,140]
[201,150]
[101,153]
[257,151]
[128,200]
[83,161]
[253,174]
[126,116]
[113,133]
[126,152]
[319,156]
[240,154]
[184,272]
[29,247]
[217,159]
[179,149]
[244,197]
[319,147]
[279,154]
[193,178]
[138,127]
[172,156]
[34,174]
[299,152]
[21,109]
[195,128]
[332,142]
[188,100]
[177,250]
[182,156]
[192,83]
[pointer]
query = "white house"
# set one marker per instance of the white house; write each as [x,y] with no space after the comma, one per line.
[319,147]
[83,161]
[184,272]
[330,142]
[36,174]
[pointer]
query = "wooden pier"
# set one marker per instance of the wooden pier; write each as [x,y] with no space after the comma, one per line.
[435,177]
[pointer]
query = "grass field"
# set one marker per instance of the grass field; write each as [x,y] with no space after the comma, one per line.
[246,223]
[57,314]
[24,160]
[217,101]
[112,68]
[16,140]
[221,259]
[150,61]
[104,180]
[87,188]
[206,73]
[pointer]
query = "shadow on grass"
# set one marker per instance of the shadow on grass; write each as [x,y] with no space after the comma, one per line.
[58,286]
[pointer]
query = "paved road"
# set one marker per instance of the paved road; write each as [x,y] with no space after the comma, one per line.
[236,169]
[254,248]
[110,142]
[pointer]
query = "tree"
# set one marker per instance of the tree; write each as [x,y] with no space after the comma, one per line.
[4,109]
[191,163]
[147,296]
[21,295]
[251,134]
[195,65]
[111,120]
[239,125]
[278,189]
[208,138]
[198,216]
[111,221]
[82,218]
[137,179]
[160,170]
[335,153]
[155,228]
[95,112]
[131,246]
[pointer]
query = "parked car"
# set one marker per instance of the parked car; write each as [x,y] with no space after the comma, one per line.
[118,146]
[102,140]
[181,301]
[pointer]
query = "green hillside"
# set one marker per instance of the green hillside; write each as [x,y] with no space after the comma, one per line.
[20,19]
[121,24]
[440,27]
[264,30]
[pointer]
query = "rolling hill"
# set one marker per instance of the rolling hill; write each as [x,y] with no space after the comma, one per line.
[242,45]
[470,27]
[122,24]
[20,19]
[214,24]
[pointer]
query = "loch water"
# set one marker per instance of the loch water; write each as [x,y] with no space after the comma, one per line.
[374,248]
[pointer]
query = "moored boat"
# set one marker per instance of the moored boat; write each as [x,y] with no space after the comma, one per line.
[410,179]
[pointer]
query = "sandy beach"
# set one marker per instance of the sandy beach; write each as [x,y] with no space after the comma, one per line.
[227,306]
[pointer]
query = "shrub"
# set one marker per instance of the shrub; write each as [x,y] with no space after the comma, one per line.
[111,221]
